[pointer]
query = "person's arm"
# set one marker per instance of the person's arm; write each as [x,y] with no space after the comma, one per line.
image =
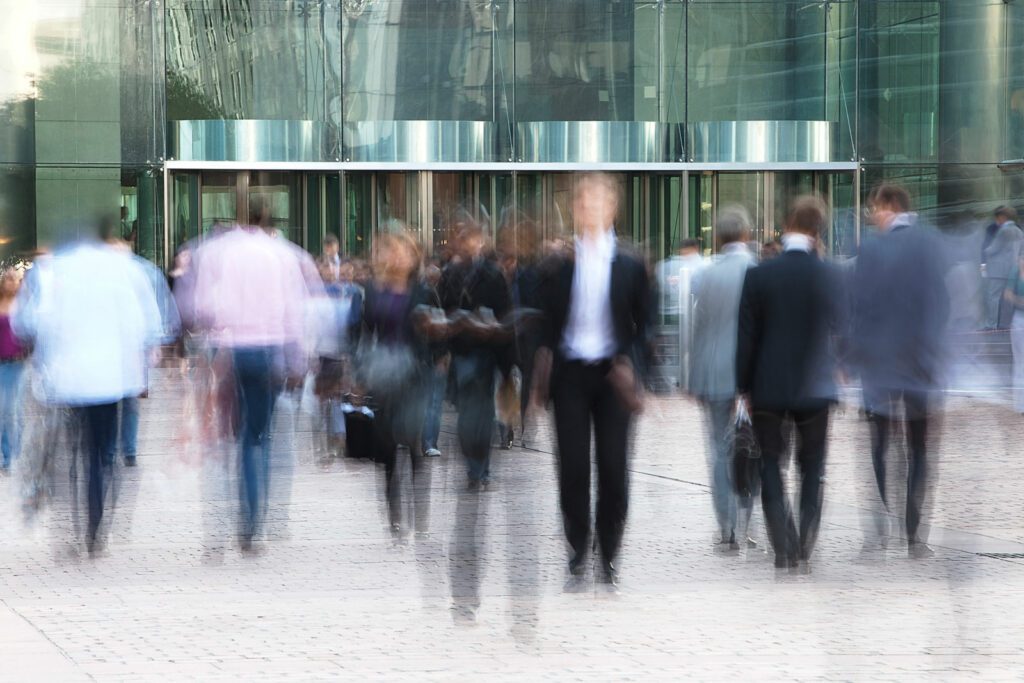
[748,334]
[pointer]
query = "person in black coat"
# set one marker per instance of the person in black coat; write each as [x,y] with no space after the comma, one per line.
[474,292]
[594,346]
[785,362]
[900,310]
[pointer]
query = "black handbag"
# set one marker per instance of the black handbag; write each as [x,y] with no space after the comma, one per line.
[746,456]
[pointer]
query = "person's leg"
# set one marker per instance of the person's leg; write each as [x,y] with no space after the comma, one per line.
[129,428]
[252,368]
[475,401]
[611,444]
[812,429]
[1017,345]
[917,408]
[719,422]
[572,430]
[768,426]
[432,420]
[99,423]
[8,399]
[994,288]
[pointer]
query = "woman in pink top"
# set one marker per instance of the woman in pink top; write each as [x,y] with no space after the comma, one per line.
[12,367]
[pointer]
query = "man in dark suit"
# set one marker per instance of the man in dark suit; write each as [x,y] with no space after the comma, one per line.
[900,309]
[784,368]
[594,344]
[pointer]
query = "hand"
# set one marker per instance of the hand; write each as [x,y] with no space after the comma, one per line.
[1009,296]
[623,378]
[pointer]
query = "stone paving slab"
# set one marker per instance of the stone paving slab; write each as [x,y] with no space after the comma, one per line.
[333,597]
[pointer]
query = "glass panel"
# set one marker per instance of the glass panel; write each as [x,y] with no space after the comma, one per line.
[438,60]
[398,202]
[456,202]
[219,202]
[841,239]
[587,61]
[283,192]
[141,217]
[747,190]
[359,214]
[786,188]
[258,59]
[184,208]
[17,212]
[899,81]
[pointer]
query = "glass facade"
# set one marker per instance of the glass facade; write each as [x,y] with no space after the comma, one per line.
[415,112]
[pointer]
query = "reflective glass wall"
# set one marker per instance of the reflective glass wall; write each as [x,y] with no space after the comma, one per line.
[94,93]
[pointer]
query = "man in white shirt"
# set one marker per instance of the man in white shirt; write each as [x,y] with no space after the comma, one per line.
[594,341]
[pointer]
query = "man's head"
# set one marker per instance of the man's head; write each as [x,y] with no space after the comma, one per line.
[732,225]
[471,240]
[259,212]
[331,246]
[689,247]
[595,203]
[346,272]
[807,216]
[886,202]
[1004,214]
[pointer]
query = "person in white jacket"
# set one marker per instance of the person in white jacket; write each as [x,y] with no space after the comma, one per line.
[93,319]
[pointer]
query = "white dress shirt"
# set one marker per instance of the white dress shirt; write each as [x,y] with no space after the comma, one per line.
[796,241]
[589,334]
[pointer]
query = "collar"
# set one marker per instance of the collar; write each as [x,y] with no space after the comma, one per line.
[902,220]
[735,248]
[795,241]
[602,246]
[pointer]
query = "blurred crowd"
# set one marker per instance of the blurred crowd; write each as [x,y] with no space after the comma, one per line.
[502,325]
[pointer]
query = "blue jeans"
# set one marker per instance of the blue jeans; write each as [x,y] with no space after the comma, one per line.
[257,392]
[435,397]
[10,410]
[129,426]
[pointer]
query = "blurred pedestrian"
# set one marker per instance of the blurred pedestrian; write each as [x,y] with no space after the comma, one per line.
[900,311]
[251,296]
[394,363]
[789,312]
[438,378]
[678,274]
[713,372]
[475,293]
[93,325]
[594,348]
[331,257]
[998,262]
[12,368]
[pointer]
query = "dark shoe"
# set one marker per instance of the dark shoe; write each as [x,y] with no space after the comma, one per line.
[609,574]
[473,486]
[784,562]
[919,551]
[577,565]
[130,461]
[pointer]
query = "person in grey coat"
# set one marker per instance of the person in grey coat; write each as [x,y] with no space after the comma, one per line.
[713,372]
[998,265]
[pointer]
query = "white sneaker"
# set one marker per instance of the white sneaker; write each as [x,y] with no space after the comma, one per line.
[432,453]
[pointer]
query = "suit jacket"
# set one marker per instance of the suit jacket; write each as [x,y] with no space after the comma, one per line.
[789,311]
[1001,254]
[900,308]
[630,293]
[715,324]
[472,285]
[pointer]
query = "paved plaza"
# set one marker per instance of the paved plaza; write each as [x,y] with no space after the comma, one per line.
[331,595]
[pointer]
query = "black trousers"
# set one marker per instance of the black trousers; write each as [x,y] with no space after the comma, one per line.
[883,412]
[811,429]
[99,432]
[583,397]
